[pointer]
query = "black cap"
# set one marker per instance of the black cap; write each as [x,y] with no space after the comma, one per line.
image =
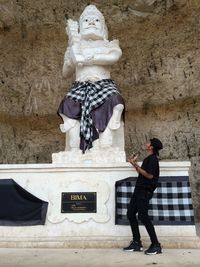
[156,143]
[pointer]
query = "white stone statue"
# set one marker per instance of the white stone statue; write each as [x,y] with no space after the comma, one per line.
[92,110]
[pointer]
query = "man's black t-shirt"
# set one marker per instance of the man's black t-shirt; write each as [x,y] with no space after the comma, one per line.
[150,165]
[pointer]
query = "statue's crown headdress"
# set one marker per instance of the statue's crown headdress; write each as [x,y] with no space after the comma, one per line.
[91,10]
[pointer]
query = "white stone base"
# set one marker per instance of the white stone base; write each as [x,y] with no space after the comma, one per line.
[96,242]
[48,181]
[92,156]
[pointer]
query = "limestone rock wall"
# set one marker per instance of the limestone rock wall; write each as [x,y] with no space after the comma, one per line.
[158,74]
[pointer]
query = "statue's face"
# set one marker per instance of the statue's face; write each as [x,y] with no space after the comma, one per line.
[91,27]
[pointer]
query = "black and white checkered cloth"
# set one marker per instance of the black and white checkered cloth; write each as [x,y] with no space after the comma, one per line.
[91,95]
[171,203]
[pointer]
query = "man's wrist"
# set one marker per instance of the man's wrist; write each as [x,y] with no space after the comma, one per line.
[137,167]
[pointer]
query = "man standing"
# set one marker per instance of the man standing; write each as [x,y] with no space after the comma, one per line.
[145,185]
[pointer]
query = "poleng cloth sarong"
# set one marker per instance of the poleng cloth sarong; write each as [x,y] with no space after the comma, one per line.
[92,103]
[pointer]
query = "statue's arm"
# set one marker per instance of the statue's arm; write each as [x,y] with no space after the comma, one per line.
[68,66]
[111,58]
[113,55]
[73,38]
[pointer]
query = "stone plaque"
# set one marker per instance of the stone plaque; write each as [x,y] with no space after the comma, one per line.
[79,202]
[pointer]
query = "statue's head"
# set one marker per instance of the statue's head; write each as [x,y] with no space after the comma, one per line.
[92,24]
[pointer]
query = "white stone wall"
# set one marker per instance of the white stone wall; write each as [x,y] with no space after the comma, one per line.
[47,182]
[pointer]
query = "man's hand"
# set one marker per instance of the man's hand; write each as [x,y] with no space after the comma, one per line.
[133,160]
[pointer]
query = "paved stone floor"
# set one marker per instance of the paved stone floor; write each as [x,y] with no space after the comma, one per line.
[96,258]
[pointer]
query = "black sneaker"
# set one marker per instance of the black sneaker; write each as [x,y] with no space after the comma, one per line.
[154,249]
[134,246]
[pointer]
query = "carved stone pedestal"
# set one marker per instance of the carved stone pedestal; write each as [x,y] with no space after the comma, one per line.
[96,229]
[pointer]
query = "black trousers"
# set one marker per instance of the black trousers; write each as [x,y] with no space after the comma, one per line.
[140,204]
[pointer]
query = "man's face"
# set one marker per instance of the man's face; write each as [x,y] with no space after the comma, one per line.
[148,147]
[91,27]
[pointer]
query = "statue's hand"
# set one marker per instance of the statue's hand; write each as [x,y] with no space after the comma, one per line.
[76,55]
[88,56]
[72,31]
[81,57]
[88,59]
[81,60]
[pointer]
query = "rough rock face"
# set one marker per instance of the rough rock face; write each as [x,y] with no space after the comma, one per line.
[158,76]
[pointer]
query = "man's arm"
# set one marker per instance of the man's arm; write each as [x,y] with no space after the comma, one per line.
[140,170]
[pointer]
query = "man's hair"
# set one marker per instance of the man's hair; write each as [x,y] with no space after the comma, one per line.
[155,151]
[157,145]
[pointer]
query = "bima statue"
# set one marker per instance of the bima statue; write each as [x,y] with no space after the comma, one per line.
[93,109]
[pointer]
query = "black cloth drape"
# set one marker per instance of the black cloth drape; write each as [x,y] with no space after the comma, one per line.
[18,207]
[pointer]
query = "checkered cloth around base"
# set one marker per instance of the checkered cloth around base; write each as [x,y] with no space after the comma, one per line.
[171,203]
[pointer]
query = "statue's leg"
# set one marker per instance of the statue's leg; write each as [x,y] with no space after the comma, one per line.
[115,120]
[95,144]
[74,136]
[68,123]
[72,129]
[106,138]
